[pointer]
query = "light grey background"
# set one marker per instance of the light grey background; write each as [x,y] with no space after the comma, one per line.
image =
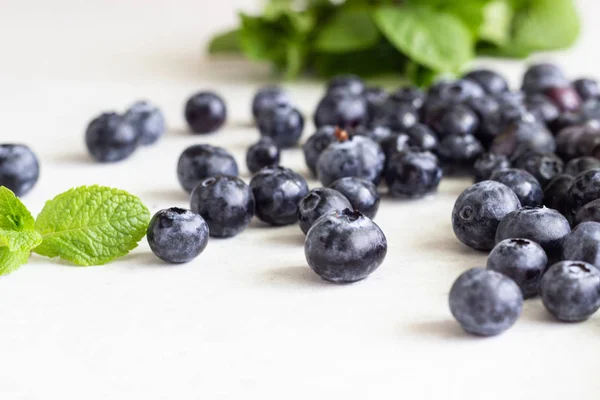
[247,319]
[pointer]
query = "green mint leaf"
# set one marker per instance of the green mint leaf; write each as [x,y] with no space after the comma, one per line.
[434,39]
[91,225]
[347,30]
[471,14]
[14,216]
[19,240]
[546,25]
[10,261]
[497,22]
[226,42]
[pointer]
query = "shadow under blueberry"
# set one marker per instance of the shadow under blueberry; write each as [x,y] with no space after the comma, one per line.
[81,157]
[147,259]
[442,329]
[298,275]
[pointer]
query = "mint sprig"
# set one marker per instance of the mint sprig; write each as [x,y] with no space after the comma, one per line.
[88,225]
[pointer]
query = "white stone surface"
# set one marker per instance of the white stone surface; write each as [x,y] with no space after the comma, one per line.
[247,319]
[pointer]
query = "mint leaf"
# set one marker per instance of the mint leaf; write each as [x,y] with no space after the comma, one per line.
[434,39]
[19,240]
[11,261]
[14,216]
[545,25]
[347,30]
[91,225]
[226,42]
[497,21]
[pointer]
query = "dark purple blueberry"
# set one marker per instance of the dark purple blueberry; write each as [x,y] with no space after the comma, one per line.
[590,109]
[202,161]
[205,112]
[587,88]
[478,211]
[585,188]
[409,95]
[583,243]
[397,116]
[494,124]
[319,202]
[357,156]
[460,91]
[540,77]
[282,123]
[565,98]
[490,81]
[361,193]
[570,290]
[226,203]
[412,174]
[545,226]
[376,133]
[456,120]
[375,97]
[350,84]
[484,302]
[339,108]
[523,261]
[395,143]
[176,235]
[542,108]
[523,137]
[315,145]
[487,164]
[277,192]
[345,247]
[109,138]
[526,187]
[267,98]
[148,120]
[589,212]
[568,140]
[581,164]
[543,166]
[19,168]
[422,137]
[263,153]
[483,106]
[555,193]
[459,152]
[566,120]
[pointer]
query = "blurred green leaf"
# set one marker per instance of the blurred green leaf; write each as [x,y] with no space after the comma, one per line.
[347,30]
[226,42]
[497,19]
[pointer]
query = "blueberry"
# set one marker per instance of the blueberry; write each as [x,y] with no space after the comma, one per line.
[282,123]
[345,247]
[487,164]
[479,210]
[570,290]
[565,98]
[202,161]
[412,174]
[456,120]
[277,192]
[460,91]
[583,243]
[357,156]
[484,302]
[377,133]
[566,120]
[543,166]
[19,168]
[522,260]
[317,203]
[148,120]
[581,164]
[361,193]
[490,81]
[267,98]
[395,143]
[555,193]
[526,187]
[587,88]
[409,95]
[176,235]
[496,123]
[350,84]
[545,226]
[263,153]
[225,202]
[542,108]
[459,151]
[422,137]
[523,137]
[567,141]
[205,112]
[375,97]
[487,110]
[396,116]
[540,77]
[339,108]
[584,189]
[109,138]
[315,145]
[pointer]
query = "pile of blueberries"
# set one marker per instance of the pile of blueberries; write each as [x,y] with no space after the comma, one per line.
[534,155]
